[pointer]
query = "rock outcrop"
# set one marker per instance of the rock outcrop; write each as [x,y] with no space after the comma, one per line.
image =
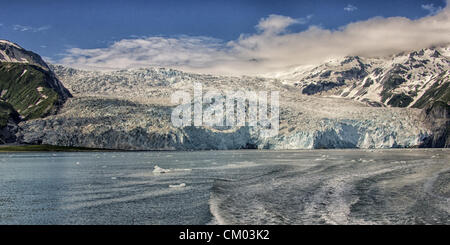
[437,118]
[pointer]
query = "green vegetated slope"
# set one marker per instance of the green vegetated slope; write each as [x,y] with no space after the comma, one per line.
[28,88]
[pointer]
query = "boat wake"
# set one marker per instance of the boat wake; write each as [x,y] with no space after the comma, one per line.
[366,191]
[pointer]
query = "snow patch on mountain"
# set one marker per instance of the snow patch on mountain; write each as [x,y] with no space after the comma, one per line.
[398,81]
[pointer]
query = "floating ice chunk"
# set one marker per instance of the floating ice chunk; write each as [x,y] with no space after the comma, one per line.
[77,163]
[178,186]
[113,177]
[158,170]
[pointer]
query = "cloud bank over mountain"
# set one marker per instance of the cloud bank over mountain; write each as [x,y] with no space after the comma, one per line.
[271,48]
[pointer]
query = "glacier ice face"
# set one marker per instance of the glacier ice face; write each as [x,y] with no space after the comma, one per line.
[121,124]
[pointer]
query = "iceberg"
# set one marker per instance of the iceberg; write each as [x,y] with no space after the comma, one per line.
[159,170]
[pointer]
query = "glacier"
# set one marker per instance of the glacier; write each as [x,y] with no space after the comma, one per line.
[338,104]
[121,124]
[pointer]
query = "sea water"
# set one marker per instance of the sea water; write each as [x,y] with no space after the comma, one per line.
[397,186]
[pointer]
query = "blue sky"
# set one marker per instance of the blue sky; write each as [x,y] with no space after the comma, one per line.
[51,27]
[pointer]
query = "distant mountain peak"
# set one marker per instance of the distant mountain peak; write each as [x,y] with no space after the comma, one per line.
[10,43]
[12,52]
[27,84]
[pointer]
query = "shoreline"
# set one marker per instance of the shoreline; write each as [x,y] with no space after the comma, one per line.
[48,148]
[53,148]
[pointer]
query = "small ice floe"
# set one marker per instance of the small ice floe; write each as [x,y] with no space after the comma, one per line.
[77,163]
[113,177]
[158,170]
[178,186]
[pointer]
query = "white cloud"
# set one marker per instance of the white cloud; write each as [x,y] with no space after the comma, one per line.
[48,59]
[432,10]
[30,28]
[21,28]
[187,51]
[270,49]
[350,8]
[275,24]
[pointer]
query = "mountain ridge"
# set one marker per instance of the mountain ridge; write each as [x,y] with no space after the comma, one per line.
[28,89]
[400,80]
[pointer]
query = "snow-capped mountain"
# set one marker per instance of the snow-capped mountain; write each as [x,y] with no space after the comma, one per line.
[412,79]
[28,89]
[12,52]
